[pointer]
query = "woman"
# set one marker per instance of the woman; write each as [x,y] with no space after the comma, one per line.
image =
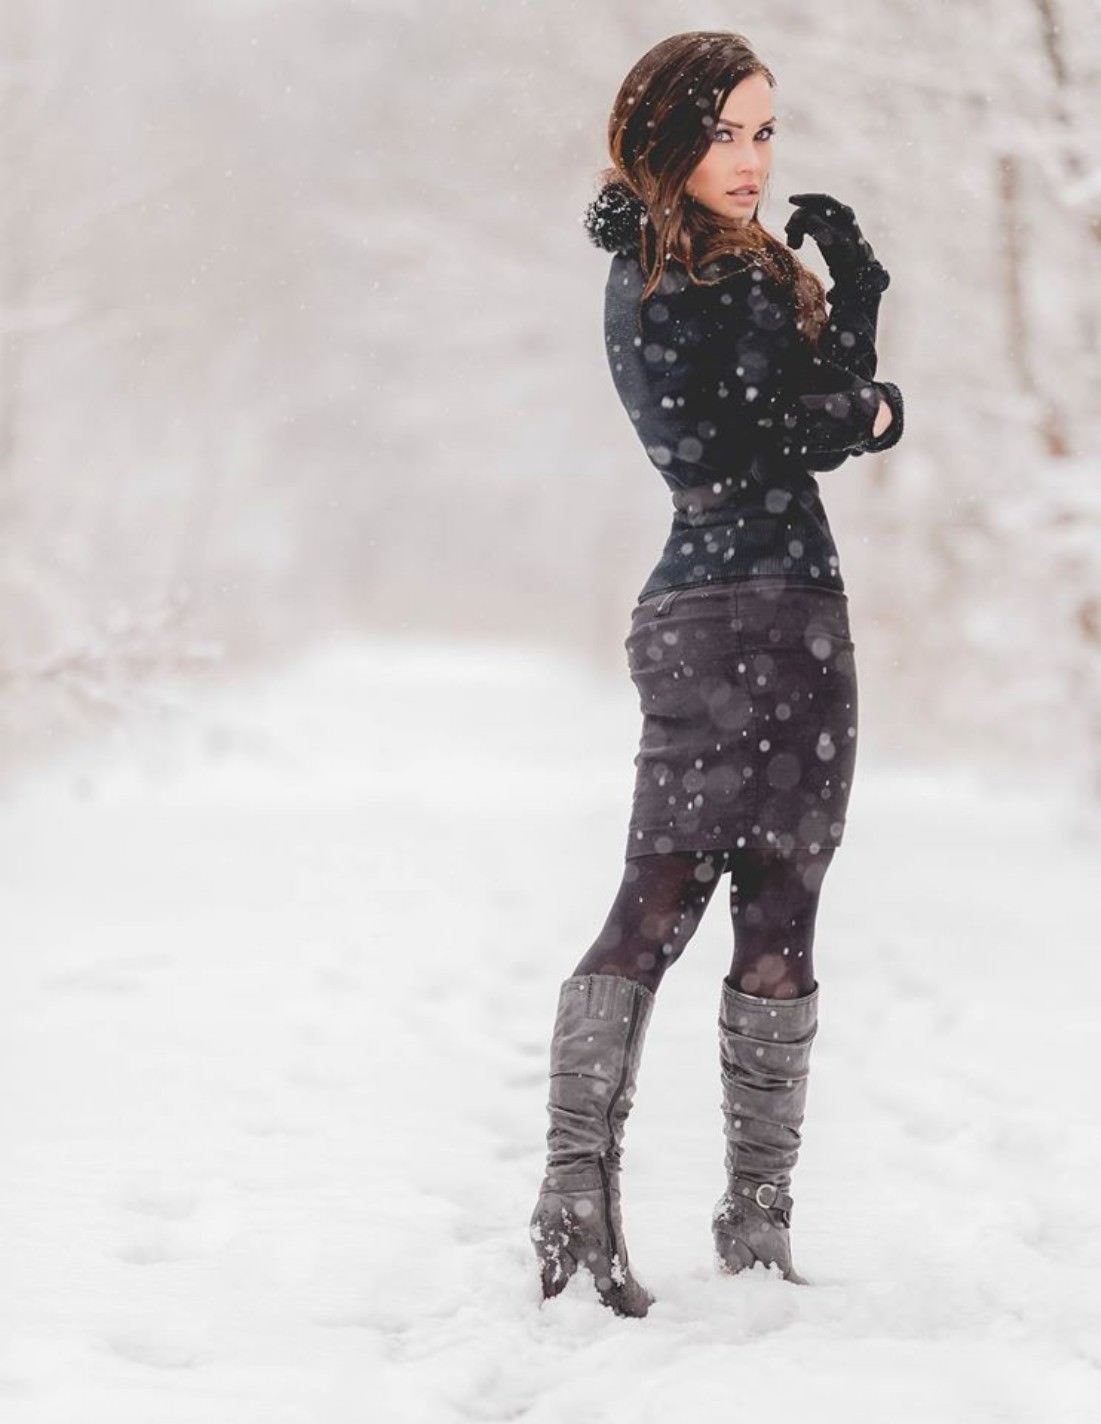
[740,385]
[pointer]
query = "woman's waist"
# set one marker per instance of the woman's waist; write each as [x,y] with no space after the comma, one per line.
[757,613]
[767,588]
[763,611]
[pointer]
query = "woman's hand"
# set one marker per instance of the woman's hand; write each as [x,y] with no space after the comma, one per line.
[883,418]
[846,250]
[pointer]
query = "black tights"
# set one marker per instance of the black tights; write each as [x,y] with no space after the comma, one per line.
[659,905]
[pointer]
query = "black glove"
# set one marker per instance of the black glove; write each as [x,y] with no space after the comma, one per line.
[847,252]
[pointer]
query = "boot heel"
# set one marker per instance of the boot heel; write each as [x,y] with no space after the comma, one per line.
[561,1252]
[556,1271]
[734,1256]
[557,1262]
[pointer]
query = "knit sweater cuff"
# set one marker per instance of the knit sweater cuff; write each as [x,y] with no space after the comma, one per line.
[893,434]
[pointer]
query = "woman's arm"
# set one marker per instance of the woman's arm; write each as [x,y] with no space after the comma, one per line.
[849,336]
[778,390]
[849,339]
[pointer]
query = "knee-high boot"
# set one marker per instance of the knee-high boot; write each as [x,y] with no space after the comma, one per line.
[764,1054]
[595,1051]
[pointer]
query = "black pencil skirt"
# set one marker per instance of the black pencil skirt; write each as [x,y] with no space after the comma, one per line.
[749,717]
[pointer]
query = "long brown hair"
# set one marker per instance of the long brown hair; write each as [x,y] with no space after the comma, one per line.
[659,129]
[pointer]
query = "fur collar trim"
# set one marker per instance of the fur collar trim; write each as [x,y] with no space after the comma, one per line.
[614,219]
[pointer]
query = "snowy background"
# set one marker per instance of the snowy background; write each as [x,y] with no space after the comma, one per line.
[274,1021]
[322,525]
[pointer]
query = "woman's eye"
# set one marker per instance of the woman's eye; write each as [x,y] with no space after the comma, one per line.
[725,133]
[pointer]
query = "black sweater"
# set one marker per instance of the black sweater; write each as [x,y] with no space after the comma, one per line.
[736,410]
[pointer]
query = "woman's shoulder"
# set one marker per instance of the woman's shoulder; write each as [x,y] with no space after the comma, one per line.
[733,294]
[734,300]
[725,283]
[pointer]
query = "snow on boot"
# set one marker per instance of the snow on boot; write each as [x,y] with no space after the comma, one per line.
[764,1050]
[577,1221]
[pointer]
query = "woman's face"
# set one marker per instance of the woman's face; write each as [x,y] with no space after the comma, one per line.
[739,154]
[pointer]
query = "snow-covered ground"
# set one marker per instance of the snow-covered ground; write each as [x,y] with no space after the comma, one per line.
[276,993]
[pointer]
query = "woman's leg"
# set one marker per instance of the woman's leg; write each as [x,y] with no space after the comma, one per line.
[773,904]
[604,1010]
[656,911]
[768,1019]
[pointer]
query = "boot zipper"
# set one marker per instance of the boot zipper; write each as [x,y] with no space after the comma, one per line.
[611,1104]
[666,601]
[607,1205]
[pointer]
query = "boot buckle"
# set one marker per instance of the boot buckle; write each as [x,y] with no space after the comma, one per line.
[766,1187]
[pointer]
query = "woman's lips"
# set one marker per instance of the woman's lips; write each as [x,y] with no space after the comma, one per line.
[743,197]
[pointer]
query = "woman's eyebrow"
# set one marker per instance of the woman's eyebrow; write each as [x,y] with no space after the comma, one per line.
[732,125]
